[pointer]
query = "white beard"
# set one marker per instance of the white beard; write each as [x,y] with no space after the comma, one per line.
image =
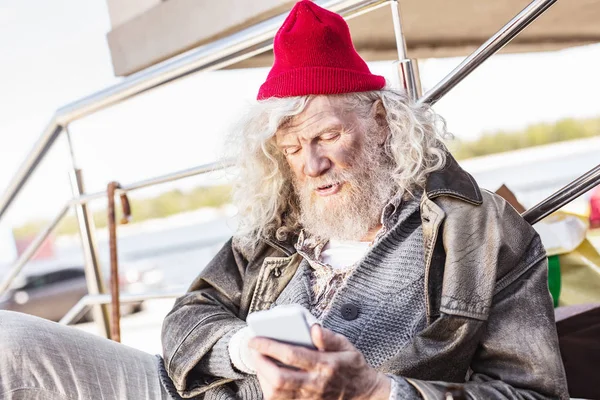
[352,212]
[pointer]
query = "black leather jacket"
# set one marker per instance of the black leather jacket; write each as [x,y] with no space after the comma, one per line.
[490,322]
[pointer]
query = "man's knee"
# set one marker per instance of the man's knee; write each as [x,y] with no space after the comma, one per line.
[18,332]
[27,359]
[28,352]
[12,327]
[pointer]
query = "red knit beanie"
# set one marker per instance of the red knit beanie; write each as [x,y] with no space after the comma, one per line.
[314,54]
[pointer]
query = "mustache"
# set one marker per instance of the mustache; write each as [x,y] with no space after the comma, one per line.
[331,178]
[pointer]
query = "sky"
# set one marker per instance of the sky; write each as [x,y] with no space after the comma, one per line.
[53,53]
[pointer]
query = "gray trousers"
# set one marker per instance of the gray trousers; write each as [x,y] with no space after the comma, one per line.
[40,359]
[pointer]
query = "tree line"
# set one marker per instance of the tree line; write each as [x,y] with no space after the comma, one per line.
[534,135]
[163,205]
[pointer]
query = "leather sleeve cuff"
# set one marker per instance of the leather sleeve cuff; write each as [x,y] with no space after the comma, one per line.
[217,361]
[402,390]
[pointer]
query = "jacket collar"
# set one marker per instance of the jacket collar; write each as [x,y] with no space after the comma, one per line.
[453,181]
[287,247]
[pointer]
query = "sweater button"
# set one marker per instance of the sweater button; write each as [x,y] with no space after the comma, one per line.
[349,312]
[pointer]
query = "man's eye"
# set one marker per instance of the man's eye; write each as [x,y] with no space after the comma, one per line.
[330,136]
[291,150]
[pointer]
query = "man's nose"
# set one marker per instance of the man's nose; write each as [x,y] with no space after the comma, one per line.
[315,163]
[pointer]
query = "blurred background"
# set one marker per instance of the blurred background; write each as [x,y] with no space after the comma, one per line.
[528,118]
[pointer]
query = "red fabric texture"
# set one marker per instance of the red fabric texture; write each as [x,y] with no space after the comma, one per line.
[314,54]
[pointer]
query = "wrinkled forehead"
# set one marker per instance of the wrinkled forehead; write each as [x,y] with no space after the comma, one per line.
[320,113]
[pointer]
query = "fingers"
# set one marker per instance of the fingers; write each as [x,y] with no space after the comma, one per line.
[281,377]
[316,333]
[332,374]
[294,356]
[327,340]
[280,383]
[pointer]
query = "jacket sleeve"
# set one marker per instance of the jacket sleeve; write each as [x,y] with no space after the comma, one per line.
[518,356]
[497,259]
[196,331]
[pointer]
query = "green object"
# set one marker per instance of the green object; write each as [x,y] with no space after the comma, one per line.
[554,277]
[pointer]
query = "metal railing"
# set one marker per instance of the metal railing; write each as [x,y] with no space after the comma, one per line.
[32,249]
[563,196]
[222,53]
[84,199]
[85,302]
[500,39]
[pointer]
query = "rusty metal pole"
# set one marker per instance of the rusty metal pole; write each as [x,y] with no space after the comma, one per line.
[115,312]
[115,326]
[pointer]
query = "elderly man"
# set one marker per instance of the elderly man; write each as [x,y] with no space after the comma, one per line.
[422,284]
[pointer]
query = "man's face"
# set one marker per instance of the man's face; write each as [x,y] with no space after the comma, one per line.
[336,163]
[320,142]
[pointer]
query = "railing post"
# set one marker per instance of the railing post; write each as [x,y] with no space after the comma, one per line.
[87,230]
[406,68]
[115,326]
[93,272]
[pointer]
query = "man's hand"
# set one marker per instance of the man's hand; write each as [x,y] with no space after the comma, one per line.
[335,371]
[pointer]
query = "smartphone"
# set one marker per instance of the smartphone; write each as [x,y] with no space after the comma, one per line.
[284,324]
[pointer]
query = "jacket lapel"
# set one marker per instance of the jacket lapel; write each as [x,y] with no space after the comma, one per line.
[274,276]
[432,217]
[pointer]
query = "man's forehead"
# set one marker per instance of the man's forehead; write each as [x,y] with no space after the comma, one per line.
[319,113]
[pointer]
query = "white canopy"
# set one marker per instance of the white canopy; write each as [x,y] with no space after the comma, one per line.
[433,28]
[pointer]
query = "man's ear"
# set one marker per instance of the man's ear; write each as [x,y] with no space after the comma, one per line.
[379,115]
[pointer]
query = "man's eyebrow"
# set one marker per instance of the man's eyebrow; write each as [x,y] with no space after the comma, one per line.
[286,145]
[330,129]
[285,141]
